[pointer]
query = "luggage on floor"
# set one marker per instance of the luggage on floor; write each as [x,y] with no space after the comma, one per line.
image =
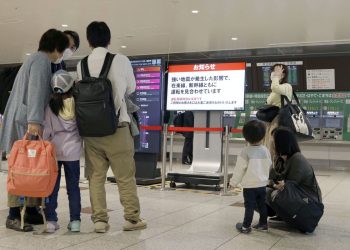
[296,207]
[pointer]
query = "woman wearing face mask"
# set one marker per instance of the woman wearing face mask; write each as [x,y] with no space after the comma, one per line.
[294,167]
[279,87]
[26,107]
[74,43]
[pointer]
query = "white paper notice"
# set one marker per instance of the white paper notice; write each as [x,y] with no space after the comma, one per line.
[217,86]
[318,79]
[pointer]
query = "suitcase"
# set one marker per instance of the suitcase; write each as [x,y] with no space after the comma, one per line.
[296,207]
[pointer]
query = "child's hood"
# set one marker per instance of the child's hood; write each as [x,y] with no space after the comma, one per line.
[68,113]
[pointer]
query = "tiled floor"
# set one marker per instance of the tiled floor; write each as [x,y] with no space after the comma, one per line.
[189,220]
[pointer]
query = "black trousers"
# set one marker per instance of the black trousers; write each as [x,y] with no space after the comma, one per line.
[254,197]
[187,151]
[270,211]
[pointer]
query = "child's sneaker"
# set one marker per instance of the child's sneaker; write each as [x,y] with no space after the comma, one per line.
[260,227]
[240,228]
[74,226]
[51,227]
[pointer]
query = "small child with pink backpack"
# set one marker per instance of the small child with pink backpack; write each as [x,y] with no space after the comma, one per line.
[61,129]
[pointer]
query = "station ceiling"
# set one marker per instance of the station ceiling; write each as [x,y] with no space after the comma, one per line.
[149,27]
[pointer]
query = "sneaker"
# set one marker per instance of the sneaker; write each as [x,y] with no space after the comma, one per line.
[74,226]
[134,225]
[260,227]
[240,228]
[15,224]
[34,219]
[51,227]
[187,160]
[101,227]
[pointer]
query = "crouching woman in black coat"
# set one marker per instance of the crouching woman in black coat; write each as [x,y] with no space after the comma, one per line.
[291,166]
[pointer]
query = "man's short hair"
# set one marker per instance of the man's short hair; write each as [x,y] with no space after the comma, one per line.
[98,34]
[53,40]
[254,131]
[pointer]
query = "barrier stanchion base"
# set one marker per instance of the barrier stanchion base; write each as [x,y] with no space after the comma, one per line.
[141,181]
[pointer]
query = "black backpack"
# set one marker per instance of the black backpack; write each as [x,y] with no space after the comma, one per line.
[94,103]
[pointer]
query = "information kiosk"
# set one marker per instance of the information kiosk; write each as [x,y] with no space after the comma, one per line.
[207,90]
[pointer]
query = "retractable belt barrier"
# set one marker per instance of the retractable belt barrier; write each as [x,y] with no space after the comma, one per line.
[151,128]
[172,129]
[189,129]
[236,131]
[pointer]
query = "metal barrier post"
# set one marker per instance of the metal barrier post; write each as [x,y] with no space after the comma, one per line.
[171,150]
[165,139]
[225,193]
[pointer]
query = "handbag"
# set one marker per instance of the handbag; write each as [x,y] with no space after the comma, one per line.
[294,117]
[296,207]
[267,113]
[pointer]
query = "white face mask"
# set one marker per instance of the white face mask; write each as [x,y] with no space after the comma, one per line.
[68,53]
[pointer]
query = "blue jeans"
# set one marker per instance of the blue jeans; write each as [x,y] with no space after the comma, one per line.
[72,174]
[254,197]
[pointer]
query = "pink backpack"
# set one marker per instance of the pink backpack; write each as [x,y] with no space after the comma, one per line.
[32,168]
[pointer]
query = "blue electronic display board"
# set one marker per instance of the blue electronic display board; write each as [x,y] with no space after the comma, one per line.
[149,81]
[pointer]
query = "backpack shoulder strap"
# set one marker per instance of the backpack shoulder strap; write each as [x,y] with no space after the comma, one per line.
[106,65]
[84,68]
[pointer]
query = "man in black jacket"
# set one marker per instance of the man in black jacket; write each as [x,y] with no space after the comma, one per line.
[186,119]
[7,77]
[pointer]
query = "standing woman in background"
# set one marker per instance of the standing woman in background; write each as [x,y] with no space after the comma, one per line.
[187,151]
[279,87]
[26,108]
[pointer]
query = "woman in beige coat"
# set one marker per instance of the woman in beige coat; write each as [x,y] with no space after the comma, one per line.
[279,87]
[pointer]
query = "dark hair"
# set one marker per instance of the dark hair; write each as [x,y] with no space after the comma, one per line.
[285,71]
[56,101]
[98,34]
[254,131]
[285,142]
[75,37]
[53,40]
